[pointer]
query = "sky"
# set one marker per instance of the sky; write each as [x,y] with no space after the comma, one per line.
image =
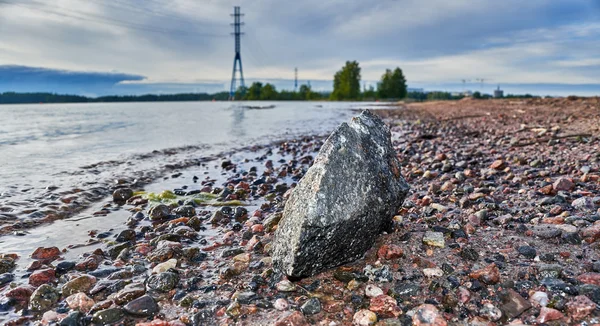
[100,47]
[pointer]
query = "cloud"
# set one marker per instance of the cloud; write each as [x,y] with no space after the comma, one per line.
[187,41]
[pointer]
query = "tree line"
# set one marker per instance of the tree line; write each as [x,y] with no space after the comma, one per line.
[267,92]
[24,98]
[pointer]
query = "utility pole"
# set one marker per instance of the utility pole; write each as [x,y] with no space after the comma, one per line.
[237,24]
[295,79]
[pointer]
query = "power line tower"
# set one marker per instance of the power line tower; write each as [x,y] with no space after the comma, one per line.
[237,26]
[295,79]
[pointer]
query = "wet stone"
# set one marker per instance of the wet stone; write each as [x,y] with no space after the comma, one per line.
[108,316]
[43,298]
[74,318]
[129,293]
[186,210]
[7,264]
[83,283]
[163,282]
[114,251]
[42,253]
[126,235]
[64,266]
[122,194]
[6,278]
[144,306]
[159,212]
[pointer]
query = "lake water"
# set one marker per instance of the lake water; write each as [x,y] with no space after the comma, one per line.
[68,146]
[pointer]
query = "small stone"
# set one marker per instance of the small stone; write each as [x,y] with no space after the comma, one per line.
[539,298]
[372,291]
[469,254]
[527,252]
[43,298]
[6,278]
[83,283]
[244,258]
[590,278]
[490,312]
[435,239]
[311,307]
[20,294]
[163,267]
[144,306]
[591,233]
[390,252]
[126,235]
[498,165]
[549,314]
[73,319]
[364,318]
[488,275]
[281,304]
[428,315]
[385,306]
[129,293]
[233,310]
[108,316]
[433,272]
[122,194]
[293,319]
[580,307]
[159,212]
[64,266]
[563,184]
[243,297]
[7,264]
[285,286]
[186,210]
[80,301]
[513,303]
[583,203]
[163,282]
[42,253]
[43,276]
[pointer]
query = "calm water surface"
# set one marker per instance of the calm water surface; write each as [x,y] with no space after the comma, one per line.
[48,144]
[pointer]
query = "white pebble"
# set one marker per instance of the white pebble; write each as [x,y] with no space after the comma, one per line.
[281,304]
[372,291]
[540,298]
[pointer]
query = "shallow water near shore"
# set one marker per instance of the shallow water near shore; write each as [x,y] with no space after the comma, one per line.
[52,151]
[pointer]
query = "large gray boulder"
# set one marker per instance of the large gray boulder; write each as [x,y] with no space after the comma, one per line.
[343,202]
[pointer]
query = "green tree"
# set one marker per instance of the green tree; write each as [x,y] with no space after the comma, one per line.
[253,93]
[392,84]
[268,93]
[346,82]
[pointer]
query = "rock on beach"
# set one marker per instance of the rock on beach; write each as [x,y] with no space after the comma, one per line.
[343,202]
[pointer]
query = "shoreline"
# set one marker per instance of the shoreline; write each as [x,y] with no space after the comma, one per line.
[514,198]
